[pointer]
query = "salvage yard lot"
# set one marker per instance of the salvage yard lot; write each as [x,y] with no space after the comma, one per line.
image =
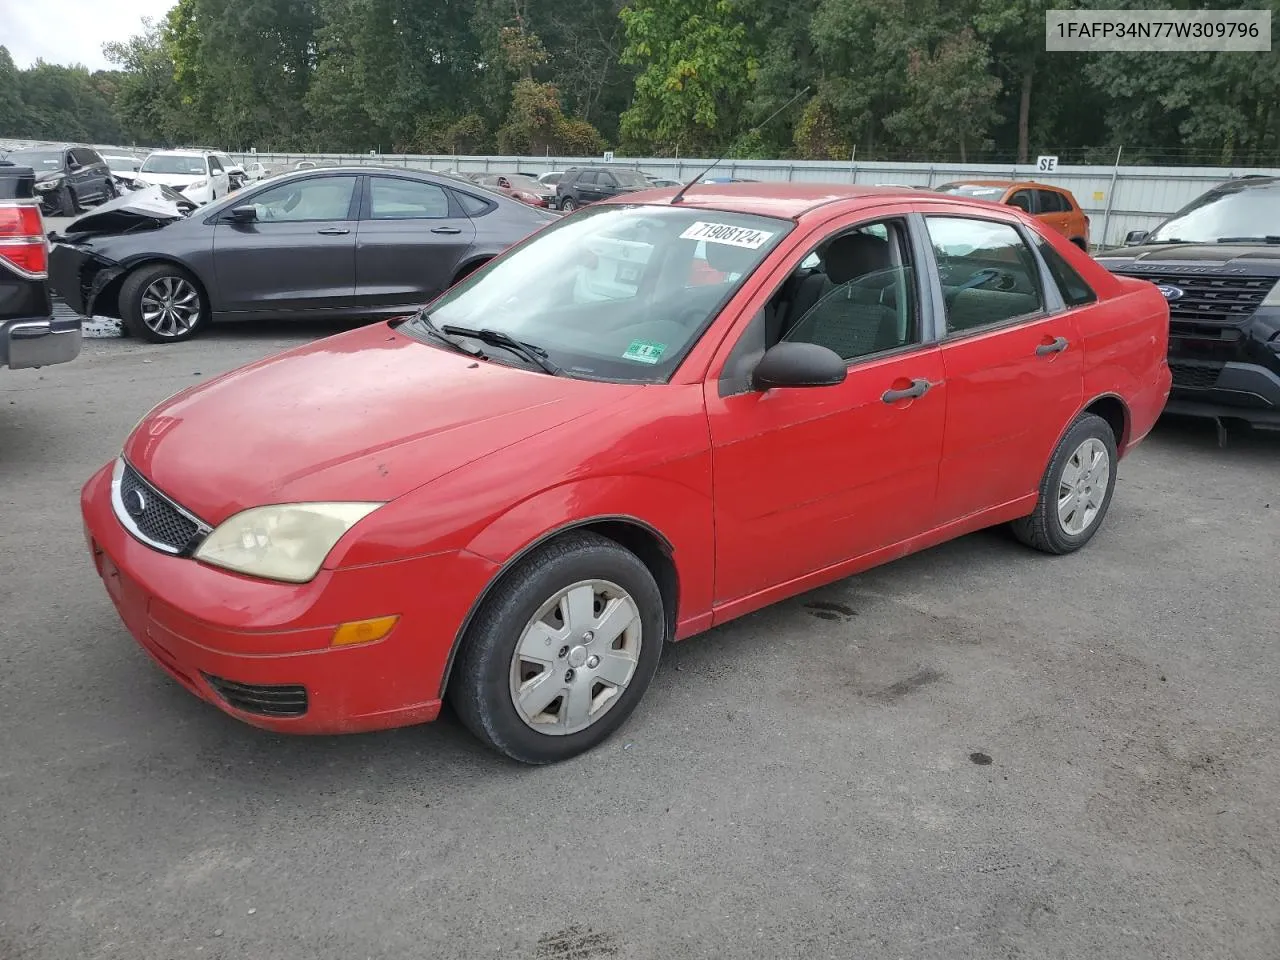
[809,781]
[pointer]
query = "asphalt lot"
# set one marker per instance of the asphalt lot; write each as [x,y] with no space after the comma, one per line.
[811,781]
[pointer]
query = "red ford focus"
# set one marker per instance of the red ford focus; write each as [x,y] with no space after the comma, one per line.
[647,419]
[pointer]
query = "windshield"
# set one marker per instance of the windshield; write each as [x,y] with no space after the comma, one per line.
[527,184]
[168,163]
[629,178]
[125,164]
[1233,210]
[38,159]
[977,191]
[614,292]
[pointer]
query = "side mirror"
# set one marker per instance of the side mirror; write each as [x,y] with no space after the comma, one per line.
[798,365]
[245,214]
[1134,237]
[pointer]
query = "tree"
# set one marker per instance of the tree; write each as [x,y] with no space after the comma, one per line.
[697,63]
[147,102]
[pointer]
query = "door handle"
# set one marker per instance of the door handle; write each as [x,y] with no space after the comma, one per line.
[333,231]
[1059,344]
[918,388]
[446,229]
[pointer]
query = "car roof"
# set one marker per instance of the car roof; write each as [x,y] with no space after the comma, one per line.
[183,153]
[771,198]
[1004,183]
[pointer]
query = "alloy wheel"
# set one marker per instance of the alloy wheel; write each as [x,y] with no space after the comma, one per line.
[1082,489]
[575,657]
[170,306]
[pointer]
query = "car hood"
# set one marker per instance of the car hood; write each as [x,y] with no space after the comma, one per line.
[1163,258]
[151,206]
[43,175]
[367,415]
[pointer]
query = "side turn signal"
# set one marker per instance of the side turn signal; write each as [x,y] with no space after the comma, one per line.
[362,631]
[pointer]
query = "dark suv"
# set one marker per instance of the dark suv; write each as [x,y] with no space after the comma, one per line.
[30,334]
[582,185]
[67,177]
[1217,262]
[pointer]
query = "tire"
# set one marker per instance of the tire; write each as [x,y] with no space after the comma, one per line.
[67,206]
[568,205]
[1055,527]
[522,615]
[172,291]
[109,191]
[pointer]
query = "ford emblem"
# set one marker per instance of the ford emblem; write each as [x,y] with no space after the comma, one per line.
[135,503]
[1169,291]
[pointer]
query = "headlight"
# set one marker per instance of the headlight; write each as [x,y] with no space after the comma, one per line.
[197,184]
[287,541]
[46,185]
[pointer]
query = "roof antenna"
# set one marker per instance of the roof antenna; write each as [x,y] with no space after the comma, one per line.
[756,129]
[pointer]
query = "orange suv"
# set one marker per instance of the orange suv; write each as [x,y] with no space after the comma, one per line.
[1053,206]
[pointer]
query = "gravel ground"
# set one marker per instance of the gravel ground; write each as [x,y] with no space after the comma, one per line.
[976,752]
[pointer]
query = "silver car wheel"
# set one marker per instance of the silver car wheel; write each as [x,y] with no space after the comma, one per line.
[170,306]
[575,657]
[1082,490]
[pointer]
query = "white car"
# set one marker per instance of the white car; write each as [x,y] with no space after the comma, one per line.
[197,174]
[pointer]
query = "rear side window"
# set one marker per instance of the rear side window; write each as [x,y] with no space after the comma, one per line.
[394,199]
[1075,292]
[988,274]
[472,206]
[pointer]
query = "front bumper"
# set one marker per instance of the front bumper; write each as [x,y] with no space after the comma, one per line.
[220,634]
[1234,390]
[39,341]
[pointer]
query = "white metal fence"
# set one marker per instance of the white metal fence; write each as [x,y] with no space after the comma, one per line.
[1116,198]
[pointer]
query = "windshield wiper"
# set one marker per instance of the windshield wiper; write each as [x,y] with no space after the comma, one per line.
[429,325]
[1270,238]
[496,338]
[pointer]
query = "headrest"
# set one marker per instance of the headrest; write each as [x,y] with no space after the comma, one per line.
[855,254]
[726,258]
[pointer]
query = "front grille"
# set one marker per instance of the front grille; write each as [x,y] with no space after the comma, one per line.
[1212,299]
[153,517]
[266,700]
[1198,375]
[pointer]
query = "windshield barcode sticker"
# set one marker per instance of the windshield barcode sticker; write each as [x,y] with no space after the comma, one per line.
[727,233]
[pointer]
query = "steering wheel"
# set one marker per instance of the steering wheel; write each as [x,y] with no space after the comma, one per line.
[981,278]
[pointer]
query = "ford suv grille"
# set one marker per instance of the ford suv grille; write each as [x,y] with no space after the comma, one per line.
[1222,300]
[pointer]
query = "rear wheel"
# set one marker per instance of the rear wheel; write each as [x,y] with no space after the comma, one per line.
[568,205]
[162,303]
[1076,490]
[561,651]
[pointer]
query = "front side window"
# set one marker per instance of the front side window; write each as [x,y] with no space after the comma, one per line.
[616,292]
[859,298]
[627,178]
[586,178]
[1021,200]
[320,198]
[391,198]
[988,274]
[214,165]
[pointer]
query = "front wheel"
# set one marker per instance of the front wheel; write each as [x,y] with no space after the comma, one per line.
[561,651]
[67,206]
[162,303]
[568,205]
[1076,490]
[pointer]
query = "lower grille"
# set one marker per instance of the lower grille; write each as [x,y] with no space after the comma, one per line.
[265,700]
[1197,375]
[152,517]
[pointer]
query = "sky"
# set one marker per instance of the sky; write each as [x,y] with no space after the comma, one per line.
[71,31]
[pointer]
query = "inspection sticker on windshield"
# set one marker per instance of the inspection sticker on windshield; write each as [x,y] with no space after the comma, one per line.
[727,233]
[645,351]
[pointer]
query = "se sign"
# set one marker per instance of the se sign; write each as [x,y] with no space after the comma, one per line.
[1046,164]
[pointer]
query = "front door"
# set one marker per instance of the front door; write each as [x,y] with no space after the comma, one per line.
[298,255]
[1015,373]
[806,478]
[412,239]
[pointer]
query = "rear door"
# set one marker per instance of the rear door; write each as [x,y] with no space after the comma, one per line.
[298,256]
[1013,361]
[411,239]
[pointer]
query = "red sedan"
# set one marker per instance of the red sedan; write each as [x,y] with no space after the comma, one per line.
[514,497]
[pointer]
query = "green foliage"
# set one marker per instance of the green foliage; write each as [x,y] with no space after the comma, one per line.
[888,79]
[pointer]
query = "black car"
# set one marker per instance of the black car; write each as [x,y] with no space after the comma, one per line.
[582,185]
[30,334]
[67,177]
[1217,262]
[358,242]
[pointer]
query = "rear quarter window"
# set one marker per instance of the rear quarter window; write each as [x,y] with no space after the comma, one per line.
[1075,291]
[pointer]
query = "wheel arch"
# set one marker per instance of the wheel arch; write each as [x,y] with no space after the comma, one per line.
[653,549]
[1115,412]
[470,266]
